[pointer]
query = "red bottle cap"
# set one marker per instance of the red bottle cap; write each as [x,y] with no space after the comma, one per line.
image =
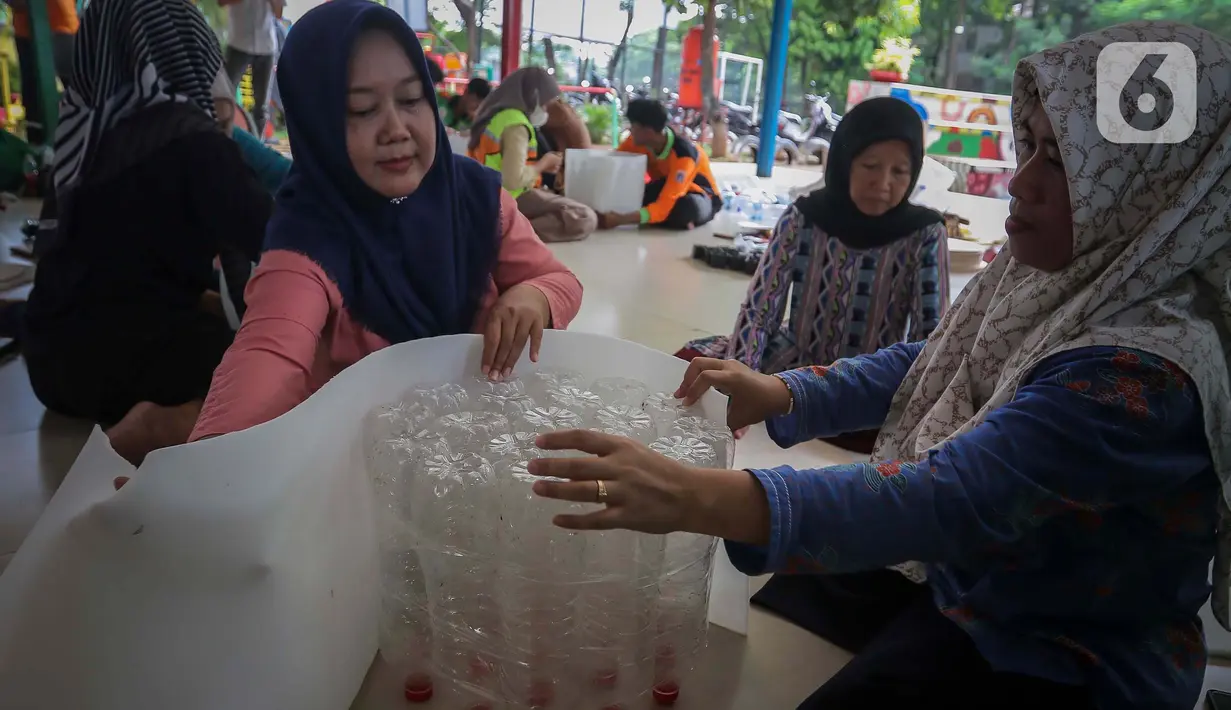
[666,693]
[418,688]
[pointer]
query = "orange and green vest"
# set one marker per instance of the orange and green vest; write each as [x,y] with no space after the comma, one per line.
[488,152]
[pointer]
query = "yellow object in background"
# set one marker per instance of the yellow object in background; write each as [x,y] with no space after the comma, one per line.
[246,96]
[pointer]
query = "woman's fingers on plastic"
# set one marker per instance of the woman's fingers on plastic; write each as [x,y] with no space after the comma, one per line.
[536,341]
[573,469]
[521,335]
[606,519]
[577,491]
[704,381]
[491,342]
[508,331]
[695,368]
[590,442]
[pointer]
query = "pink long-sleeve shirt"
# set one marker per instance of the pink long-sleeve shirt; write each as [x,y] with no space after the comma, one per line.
[297,334]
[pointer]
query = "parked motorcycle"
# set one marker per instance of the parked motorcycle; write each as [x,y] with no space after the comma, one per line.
[740,119]
[812,138]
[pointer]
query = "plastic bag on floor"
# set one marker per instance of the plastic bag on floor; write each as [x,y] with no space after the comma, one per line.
[241,571]
[605,180]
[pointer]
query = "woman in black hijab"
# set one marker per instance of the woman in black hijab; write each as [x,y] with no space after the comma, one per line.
[860,266]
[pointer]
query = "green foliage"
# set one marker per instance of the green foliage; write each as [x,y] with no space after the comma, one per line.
[1211,15]
[597,118]
[1053,22]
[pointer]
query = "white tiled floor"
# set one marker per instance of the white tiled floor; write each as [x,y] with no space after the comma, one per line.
[640,285]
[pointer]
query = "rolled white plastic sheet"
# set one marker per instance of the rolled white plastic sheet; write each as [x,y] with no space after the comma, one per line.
[604,180]
[241,572]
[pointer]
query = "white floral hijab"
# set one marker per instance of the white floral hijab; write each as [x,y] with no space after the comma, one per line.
[1152,267]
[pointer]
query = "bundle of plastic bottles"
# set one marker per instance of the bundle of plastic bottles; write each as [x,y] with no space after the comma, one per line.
[486,605]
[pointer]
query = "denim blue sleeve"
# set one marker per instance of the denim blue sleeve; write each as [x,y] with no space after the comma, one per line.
[849,395]
[1090,429]
[270,166]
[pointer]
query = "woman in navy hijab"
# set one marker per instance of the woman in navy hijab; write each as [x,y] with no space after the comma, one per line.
[380,234]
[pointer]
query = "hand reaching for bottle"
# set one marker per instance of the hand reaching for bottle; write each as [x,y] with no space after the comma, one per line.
[754,397]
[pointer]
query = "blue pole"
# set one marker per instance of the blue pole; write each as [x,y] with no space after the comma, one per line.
[775,71]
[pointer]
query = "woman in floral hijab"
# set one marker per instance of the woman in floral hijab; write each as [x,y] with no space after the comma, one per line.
[1057,454]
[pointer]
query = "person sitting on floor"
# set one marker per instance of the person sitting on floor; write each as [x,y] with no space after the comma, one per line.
[464,108]
[565,130]
[1056,453]
[682,192]
[504,138]
[381,235]
[859,266]
[149,191]
[270,166]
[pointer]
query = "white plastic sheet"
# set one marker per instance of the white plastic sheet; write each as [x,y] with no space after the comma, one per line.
[459,143]
[605,180]
[240,572]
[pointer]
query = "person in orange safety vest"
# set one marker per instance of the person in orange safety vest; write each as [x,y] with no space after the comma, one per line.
[681,192]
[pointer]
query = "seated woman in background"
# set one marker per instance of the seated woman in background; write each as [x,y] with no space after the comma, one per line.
[1057,453]
[564,130]
[860,267]
[503,138]
[121,327]
[380,235]
[270,166]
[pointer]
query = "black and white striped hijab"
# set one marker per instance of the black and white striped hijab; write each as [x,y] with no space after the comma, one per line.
[131,55]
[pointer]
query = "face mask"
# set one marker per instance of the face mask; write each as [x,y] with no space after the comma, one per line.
[538,118]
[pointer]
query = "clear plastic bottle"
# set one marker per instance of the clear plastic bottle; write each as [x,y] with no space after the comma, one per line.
[405,625]
[664,409]
[688,450]
[541,419]
[537,575]
[540,382]
[620,391]
[683,603]
[454,500]
[439,399]
[469,431]
[575,399]
[632,422]
[713,433]
[618,613]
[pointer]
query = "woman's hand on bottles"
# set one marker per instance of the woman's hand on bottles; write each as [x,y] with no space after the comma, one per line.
[646,491]
[754,397]
[519,316]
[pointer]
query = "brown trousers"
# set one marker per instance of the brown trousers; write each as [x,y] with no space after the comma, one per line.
[556,218]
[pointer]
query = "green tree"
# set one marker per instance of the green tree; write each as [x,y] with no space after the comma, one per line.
[628,7]
[1211,15]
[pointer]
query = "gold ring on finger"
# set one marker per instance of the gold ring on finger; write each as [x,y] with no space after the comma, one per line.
[602,491]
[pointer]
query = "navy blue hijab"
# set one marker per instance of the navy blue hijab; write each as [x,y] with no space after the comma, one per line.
[412,269]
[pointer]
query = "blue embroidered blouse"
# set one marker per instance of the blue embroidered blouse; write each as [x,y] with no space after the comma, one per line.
[1070,533]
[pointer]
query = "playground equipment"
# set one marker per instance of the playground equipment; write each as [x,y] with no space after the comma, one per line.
[452,61]
[970,132]
[751,65]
